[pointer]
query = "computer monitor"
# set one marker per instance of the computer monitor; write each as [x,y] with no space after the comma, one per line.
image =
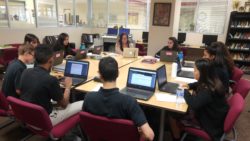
[208,39]
[112,31]
[124,30]
[145,37]
[181,38]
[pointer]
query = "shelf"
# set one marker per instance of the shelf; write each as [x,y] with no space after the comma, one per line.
[242,62]
[239,29]
[239,40]
[239,50]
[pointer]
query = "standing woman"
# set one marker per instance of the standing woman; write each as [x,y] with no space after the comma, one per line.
[172,46]
[31,39]
[63,44]
[122,43]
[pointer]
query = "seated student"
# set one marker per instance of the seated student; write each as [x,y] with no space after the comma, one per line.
[31,39]
[11,80]
[172,46]
[207,103]
[109,102]
[62,43]
[39,87]
[122,43]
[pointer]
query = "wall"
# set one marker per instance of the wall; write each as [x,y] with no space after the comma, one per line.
[158,35]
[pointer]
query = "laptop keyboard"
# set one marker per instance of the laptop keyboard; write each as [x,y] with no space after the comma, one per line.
[139,94]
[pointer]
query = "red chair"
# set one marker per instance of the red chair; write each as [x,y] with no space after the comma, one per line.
[37,119]
[237,74]
[142,50]
[243,87]
[100,128]
[236,103]
[5,111]
[7,55]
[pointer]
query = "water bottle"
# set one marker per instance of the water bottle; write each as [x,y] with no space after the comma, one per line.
[174,70]
[82,46]
[180,56]
[179,96]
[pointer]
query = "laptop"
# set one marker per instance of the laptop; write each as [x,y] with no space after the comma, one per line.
[168,56]
[140,83]
[163,84]
[181,73]
[130,52]
[78,70]
[97,49]
[58,64]
[81,54]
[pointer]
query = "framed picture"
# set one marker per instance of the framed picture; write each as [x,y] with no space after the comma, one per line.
[247,6]
[162,13]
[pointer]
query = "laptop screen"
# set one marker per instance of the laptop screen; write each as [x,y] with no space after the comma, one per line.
[141,79]
[78,69]
[161,75]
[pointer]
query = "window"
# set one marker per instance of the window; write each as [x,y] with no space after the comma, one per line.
[3,14]
[117,16]
[65,13]
[46,15]
[21,13]
[100,14]
[203,16]
[137,14]
[81,7]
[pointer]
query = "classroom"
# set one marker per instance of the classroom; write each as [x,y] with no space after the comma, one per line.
[124,70]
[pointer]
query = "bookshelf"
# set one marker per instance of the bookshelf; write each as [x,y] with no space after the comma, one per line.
[238,39]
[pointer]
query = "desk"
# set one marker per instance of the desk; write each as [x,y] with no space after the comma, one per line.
[153,102]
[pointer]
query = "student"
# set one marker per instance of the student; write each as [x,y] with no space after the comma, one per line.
[62,43]
[172,46]
[109,102]
[39,87]
[122,43]
[11,80]
[31,39]
[207,102]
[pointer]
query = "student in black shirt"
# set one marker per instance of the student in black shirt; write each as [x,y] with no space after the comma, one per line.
[31,39]
[62,43]
[172,46]
[208,101]
[39,87]
[11,80]
[109,102]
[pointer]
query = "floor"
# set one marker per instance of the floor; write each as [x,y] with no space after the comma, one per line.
[15,131]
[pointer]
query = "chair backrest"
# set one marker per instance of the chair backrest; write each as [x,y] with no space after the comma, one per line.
[237,74]
[236,103]
[243,87]
[34,116]
[104,129]
[50,40]
[4,105]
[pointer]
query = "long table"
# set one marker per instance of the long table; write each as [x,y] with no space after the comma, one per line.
[153,102]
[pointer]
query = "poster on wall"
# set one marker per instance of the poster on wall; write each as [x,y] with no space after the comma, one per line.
[162,13]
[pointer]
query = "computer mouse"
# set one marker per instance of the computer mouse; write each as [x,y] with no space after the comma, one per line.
[97,79]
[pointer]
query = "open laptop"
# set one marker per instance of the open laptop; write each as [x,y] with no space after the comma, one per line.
[182,73]
[163,84]
[140,83]
[81,54]
[168,56]
[58,64]
[130,52]
[78,70]
[97,49]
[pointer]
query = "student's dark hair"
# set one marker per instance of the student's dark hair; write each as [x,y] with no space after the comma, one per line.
[175,41]
[120,40]
[208,78]
[42,54]
[222,55]
[28,38]
[108,68]
[61,38]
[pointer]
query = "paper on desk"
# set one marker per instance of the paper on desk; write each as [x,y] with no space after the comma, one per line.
[187,69]
[97,87]
[167,97]
[186,80]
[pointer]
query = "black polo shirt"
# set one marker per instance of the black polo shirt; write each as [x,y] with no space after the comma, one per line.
[111,103]
[39,87]
[12,77]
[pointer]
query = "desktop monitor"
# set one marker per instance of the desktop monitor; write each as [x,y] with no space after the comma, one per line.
[145,37]
[208,39]
[181,38]
[112,31]
[124,30]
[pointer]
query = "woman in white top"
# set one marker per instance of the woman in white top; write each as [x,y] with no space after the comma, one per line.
[122,43]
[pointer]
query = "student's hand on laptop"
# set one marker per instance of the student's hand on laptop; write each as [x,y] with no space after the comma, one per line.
[68,82]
